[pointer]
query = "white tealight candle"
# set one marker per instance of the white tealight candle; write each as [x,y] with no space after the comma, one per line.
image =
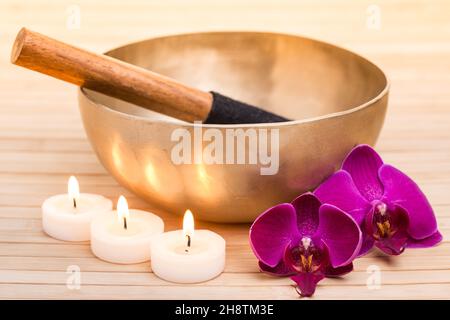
[185,256]
[124,236]
[68,216]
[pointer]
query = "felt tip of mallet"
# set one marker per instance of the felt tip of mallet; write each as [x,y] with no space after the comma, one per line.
[225,110]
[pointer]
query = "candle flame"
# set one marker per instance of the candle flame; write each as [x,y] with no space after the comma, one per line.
[188,224]
[73,189]
[122,209]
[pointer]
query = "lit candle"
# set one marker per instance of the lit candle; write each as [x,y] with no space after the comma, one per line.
[124,235]
[68,216]
[188,256]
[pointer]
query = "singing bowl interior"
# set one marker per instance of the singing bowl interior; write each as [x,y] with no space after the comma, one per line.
[336,99]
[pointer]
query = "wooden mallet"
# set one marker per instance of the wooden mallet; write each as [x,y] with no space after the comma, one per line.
[131,83]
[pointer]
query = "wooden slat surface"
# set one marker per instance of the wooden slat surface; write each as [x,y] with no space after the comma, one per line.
[42,142]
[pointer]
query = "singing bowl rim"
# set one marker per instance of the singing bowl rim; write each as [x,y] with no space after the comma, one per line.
[379,96]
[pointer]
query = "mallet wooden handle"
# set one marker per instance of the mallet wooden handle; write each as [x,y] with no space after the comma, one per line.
[110,76]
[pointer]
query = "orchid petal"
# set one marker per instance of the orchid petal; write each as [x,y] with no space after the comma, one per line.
[280,270]
[307,208]
[400,190]
[307,282]
[367,244]
[431,241]
[393,246]
[363,163]
[272,232]
[340,191]
[337,272]
[341,234]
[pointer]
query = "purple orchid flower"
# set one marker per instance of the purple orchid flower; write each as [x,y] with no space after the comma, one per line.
[305,240]
[391,210]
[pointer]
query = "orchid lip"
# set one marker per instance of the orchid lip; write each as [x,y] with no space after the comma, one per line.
[387,226]
[381,220]
[305,257]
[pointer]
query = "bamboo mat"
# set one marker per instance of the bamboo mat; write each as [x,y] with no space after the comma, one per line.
[42,142]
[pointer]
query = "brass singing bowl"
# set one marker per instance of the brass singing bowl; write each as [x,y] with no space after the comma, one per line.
[337,98]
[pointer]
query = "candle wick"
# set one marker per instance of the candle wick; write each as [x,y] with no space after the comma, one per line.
[188,243]
[74,203]
[125,223]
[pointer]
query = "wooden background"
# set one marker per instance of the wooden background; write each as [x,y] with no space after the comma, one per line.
[42,141]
